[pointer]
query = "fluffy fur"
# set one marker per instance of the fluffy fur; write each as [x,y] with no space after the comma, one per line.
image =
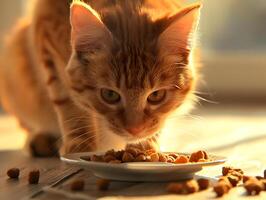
[54,70]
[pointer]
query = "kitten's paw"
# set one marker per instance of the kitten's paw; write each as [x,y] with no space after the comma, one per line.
[44,145]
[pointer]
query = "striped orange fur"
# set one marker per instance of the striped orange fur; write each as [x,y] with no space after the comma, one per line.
[99,74]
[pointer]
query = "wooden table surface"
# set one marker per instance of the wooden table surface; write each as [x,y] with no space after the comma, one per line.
[56,177]
[241,136]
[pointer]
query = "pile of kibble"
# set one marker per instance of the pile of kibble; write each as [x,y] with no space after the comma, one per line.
[136,155]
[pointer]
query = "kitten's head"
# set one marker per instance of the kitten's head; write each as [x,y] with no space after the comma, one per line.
[131,70]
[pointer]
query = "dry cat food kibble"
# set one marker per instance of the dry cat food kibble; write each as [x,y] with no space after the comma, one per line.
[228,170]
[231,177]
[182,159]
[234,180]
[34,176]
[137,155]
[176,188]
[221,188]
[77,185]
[103,184]
[259,177]
[13,173]
[187,187]
[199,156]
[246,178]
[203,183]
[263,181]
[253,186]
[191,186]
[128,157]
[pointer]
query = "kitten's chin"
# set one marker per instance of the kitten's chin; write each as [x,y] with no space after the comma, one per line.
[110,140]
[129,138]
[145,143]
[141,138]
[135,138]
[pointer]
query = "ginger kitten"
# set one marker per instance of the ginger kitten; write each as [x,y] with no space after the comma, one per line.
[100,74]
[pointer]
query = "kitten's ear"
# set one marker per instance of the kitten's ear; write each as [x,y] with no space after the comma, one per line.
[88,31]
[177,37]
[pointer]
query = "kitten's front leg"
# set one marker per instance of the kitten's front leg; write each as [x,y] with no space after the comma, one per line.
[77,127]
[79,131]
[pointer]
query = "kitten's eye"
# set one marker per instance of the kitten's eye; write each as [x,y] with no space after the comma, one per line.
[110,96]
[157,97]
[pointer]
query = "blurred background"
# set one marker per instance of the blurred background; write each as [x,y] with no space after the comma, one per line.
[232,38]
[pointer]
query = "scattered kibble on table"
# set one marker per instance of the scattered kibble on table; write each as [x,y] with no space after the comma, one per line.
[203,183]
[13,173]
[230,178]
[253,186]
[221,188]
[187,187]
[34,176]
[77,185]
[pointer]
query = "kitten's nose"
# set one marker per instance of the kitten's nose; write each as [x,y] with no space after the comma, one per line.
[135,130]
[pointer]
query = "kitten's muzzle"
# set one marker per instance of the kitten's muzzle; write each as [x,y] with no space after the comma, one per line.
[136,130]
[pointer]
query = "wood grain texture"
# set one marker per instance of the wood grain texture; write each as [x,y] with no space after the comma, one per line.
[56,179]
[51,171]
[237,134]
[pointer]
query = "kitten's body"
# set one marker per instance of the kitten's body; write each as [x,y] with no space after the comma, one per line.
[33,82]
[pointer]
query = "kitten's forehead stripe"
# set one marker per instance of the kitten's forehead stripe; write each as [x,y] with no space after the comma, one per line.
[134,70]
[127,72]
[134,34]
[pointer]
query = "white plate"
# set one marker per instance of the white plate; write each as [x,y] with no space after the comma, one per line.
[141,171]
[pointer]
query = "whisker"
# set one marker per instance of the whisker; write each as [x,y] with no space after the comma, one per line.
[198,92]
[206,100]
[84,141]
[75,116]
[100,137]
[81,135]
[69,133]
[76,119]
[176,86]
[79,128]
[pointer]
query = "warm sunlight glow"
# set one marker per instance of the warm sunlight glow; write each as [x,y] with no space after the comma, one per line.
[12,136]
